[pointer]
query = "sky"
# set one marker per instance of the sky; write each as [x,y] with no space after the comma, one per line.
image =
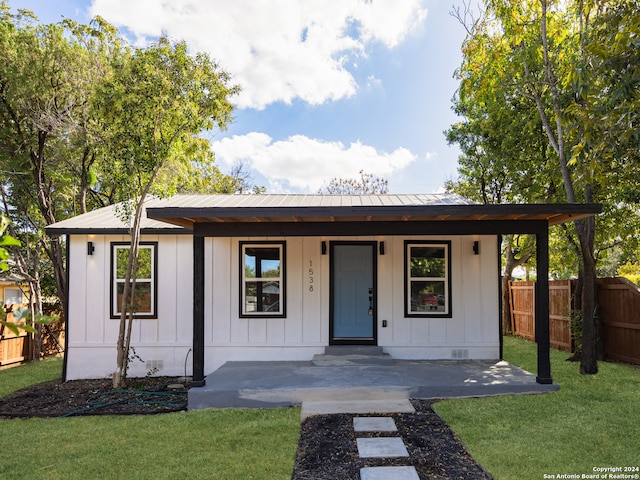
[329,87]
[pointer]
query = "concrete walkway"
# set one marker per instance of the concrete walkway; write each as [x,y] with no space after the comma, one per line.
[357,388]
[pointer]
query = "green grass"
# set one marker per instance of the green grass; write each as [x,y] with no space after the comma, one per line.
[15,378]
[593,421]
[206,444]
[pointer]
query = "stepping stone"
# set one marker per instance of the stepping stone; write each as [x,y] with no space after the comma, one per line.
[389,473]
[374,424]
[384,447]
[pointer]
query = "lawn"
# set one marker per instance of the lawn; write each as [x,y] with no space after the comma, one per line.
[206,444]
[593,421]
[15,378]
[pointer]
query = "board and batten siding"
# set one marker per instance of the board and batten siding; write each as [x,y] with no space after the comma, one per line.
[164,343]
[472,331]
[161,343]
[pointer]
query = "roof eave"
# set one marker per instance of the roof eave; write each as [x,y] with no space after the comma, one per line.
[53,232]
[553,213]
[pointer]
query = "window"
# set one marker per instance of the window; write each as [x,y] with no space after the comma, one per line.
[145,305]
[13,296]
[262,279]
[427,279]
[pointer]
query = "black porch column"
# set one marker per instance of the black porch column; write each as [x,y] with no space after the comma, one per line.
[198,312]
[542,307]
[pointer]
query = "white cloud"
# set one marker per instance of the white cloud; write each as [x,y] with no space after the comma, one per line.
[277,50]
[373,82]
[305,164]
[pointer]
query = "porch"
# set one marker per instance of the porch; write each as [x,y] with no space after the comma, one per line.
[281,384]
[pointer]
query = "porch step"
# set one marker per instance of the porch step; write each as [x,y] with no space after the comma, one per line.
[353,350]
[343,355]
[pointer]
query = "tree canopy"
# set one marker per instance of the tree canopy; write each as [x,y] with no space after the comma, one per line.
[150,115]
[367,184]
[87,120]
[549,92]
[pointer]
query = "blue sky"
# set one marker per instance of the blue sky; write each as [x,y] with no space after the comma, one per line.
[330,87]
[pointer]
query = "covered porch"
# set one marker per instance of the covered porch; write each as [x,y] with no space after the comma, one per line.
[254,216]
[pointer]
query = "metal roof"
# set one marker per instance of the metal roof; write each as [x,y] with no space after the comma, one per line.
[301,201]
[107,221]
[186,210]
[179,214]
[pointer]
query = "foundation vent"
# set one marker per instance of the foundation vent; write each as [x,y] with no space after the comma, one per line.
[459,353]
[155,365]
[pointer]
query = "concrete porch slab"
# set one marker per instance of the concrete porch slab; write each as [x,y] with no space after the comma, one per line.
[277,384]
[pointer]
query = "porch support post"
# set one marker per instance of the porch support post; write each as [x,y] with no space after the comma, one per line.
[542,307]
[198,312]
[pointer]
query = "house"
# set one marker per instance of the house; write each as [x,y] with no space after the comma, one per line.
[280,277]
[13,294]
[12,289]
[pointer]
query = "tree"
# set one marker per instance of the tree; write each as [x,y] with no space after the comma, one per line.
[151,113]
[34,320]
[368,184]
[504,158]
[630,271]
[542,54]
[61,144]
[46,78]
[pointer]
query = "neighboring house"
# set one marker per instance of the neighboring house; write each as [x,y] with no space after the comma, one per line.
[12,289]
[280,277]
[13,348]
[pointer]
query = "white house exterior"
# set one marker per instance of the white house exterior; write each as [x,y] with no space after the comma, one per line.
[280,277]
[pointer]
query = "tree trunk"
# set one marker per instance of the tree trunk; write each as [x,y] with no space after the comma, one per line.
[57,259]
[127,307]
[588,357]
[128,298]
[36,305]
[45,205]
[88,159]
[506,305]
[585,228]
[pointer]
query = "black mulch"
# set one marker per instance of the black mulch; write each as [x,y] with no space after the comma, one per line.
[327,448]
[327,445]
[95,397]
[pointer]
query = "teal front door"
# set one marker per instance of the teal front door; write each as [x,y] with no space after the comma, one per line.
[353,293]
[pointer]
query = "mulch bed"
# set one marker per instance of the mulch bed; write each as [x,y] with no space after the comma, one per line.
[95,397]
[327,448]
[327,445]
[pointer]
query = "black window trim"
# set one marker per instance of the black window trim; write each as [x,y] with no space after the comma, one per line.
[283,279]
[407,288]
[138,316]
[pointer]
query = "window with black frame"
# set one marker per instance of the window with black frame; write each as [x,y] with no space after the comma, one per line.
[145,297]
[262,279]
[427,279]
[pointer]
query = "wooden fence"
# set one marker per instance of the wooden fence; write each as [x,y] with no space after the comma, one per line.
[522,297]
[20,348]
[618,313]
[13,348]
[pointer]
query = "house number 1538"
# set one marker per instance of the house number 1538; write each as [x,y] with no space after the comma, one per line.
[310,277]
